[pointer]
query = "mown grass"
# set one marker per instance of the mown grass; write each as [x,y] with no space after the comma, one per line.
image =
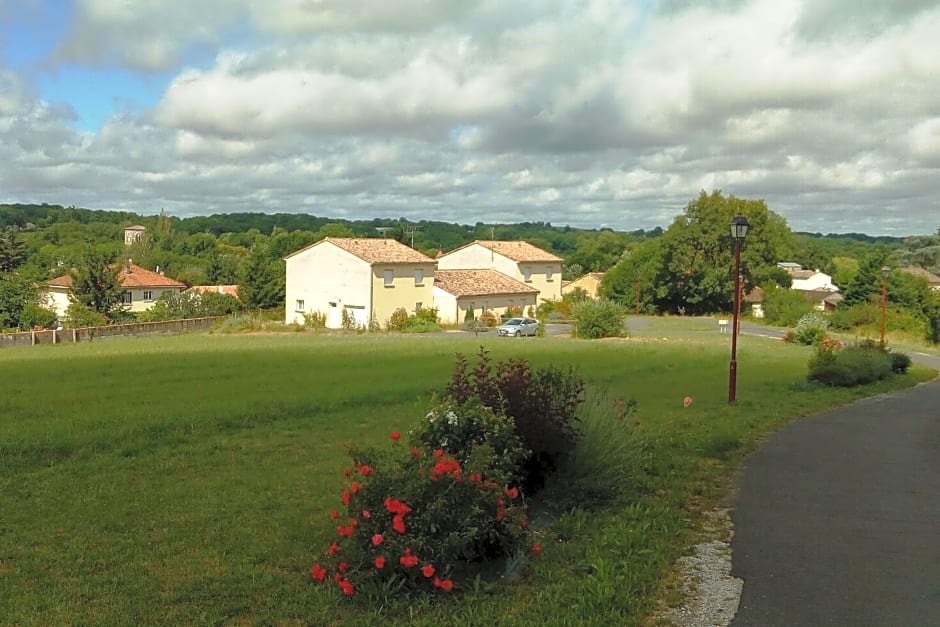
[187,480]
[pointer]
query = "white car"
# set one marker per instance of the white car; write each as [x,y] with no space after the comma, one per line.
[516,327]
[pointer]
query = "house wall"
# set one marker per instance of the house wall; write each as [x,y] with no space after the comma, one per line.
[479,257]
[403,292]
[325,274]
[140,300]
[819,281]
[57,299]
[589,284]
[452,309]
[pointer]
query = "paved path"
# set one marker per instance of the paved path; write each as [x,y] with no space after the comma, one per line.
[837,517]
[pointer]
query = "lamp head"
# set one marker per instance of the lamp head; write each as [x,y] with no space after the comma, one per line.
[739,226]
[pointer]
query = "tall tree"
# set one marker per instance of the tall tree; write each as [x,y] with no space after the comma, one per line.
[263,280]
[12,250]
[867,280]
[96,284]
[696,271]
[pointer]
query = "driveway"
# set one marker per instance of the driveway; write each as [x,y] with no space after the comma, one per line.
[837,517]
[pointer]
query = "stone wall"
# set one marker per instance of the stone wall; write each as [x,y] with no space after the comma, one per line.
[66,336]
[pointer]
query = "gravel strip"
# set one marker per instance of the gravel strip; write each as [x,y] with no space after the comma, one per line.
[711,594]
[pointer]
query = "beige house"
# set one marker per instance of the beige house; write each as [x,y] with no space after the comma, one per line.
[229,290]
[519,260]
[368,278]
[590,283]
[457,292]
[932,279]
[142,288]
[133,234]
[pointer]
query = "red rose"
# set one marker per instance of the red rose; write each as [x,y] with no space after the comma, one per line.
[444,584]
[365,471]
[380,562]
[408,560]
[415,453]
[398,523]
[333,550]
[512,493]
[427,570]
[536,549]
[334,514]
[377,539]
[396,436]
[355,487]
[347,587]
[318,572]
[345,497]
[439,452]
[343,566]
[366,514]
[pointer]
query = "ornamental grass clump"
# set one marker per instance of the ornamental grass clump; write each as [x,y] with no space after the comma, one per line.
[419,520]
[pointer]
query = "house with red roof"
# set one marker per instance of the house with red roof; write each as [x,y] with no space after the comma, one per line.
[518,260]
[142,288]
[457,292]
[367,278]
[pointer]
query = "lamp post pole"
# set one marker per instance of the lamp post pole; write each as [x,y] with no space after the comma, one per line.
[885,270]
[739,227]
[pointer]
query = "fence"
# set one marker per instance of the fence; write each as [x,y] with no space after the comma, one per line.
[87,334]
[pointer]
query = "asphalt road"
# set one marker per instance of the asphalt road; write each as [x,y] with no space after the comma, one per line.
[837,517]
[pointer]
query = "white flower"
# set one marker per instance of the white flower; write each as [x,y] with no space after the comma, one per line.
[451,418]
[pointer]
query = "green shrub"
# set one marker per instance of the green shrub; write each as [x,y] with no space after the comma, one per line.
[900,362]
[399,320]
[852,366]
[596,319]
[488,319]
[810,329]
[79,316]
[315,320]
[784,307]
[459,428]
[542,403]
[418,521]
[34,316]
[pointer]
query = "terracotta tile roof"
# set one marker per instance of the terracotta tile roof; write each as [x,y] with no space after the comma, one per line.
[820,296]
[479,283]
[131,275]
[373,250]
[231,290]
[516,250]
[136,227]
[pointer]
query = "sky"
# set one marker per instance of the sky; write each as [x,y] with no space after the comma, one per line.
[591,113]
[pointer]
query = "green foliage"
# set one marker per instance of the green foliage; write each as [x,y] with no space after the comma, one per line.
[12,250]
[460,428]
[398,320]
[96,284]
[19,302]
[866,284]
[635,273]
[34,316]
[543,404]
[855,365]
[79,316]
[420,522]
[695,272]
[784,307]
[315,320]
[488,319]
[178,306]
[597,319]
[262,282]
[347,320]
[900,362]
[811,328]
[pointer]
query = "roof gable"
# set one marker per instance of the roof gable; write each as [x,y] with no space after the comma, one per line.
[515,250]
[372,250]
[479,283]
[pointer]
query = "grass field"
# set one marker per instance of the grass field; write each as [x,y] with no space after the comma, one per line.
[188,480]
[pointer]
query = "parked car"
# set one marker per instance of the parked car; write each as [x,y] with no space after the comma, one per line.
[515,327]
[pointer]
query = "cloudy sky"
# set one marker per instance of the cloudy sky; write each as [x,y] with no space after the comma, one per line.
[583,112]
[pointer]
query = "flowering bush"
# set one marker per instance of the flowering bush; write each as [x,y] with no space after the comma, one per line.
[416,519]
[543,404]
[856,365]
[811,328]
[459,429]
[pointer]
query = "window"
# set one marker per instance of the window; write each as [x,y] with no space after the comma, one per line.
[417,307]
[419,277]
[126,298]
[548,275]
[299,305]
[389,278]
[527,275]
[148,295]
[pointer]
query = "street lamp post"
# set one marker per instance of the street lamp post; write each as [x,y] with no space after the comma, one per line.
[885,270]
[739,228]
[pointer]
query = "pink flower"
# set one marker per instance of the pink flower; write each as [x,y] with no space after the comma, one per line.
[377,539]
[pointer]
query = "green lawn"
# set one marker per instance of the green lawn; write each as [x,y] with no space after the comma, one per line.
[188,480]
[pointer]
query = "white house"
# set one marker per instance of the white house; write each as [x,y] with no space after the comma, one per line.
[368,278]
[519,260]
[812,280]
[142,288]
[133,234]
[457,292]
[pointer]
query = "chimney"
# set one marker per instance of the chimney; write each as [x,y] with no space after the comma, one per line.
[127,268]
[158,270]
